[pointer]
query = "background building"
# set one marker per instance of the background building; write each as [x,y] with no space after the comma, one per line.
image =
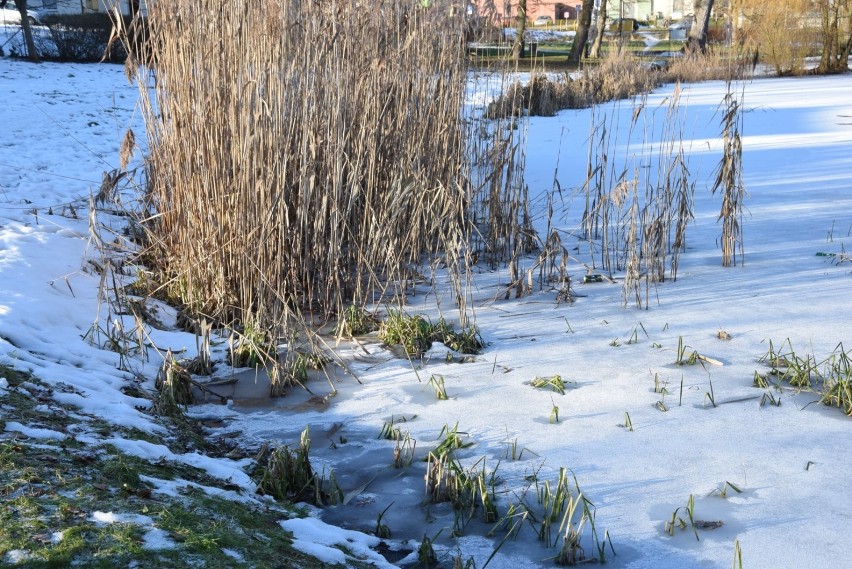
[640,9]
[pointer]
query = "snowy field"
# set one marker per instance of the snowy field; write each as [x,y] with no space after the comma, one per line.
[60,129]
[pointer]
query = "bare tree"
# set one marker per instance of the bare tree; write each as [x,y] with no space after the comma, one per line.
[520,30]
[697,41]
[836,32]
[584,22]
[32,54]
[600,28]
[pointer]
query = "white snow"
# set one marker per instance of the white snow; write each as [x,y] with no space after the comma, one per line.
[174,487]
[60,128]
[16,556]
[154,537]
[224,469]
[114,518]
[35,433]
[236,555]
[317,538]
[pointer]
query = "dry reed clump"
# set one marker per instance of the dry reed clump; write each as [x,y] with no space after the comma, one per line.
[301,155]
[616,77]
[511,103]
[501,223]
[542,97]
[711,65]
[639,205]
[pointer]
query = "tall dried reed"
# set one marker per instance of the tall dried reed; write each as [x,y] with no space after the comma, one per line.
[302,153]
[501,224]
[669,196]
[729,179]
[498,196]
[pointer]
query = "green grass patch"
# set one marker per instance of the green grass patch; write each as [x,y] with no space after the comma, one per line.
[830,377]
[50,490]
[355,321]
[416,334]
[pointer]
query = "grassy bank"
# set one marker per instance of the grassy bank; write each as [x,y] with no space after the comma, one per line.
[70,498]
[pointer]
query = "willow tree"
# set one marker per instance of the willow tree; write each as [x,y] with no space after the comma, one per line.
[776,31]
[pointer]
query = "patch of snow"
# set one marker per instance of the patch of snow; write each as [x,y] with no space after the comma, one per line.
[236,555]
[174,487]
[221,468]
[155,539]
[17,556]
[104,517]
[324,553]
[113,518]
[35,433]
[315,537]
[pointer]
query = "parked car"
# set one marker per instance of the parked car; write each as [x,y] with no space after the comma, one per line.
[543,21]
[10,16]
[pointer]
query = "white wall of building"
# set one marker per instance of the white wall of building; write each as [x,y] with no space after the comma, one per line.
[80,6]
[649,9]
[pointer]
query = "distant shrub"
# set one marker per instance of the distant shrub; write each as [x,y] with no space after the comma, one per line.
[717,35]
[710,66]
[81,38]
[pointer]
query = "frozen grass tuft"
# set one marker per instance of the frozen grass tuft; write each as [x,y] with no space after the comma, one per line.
[416,334]
[830,378]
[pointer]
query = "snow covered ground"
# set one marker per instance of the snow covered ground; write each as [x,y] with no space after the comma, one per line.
[60,129]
